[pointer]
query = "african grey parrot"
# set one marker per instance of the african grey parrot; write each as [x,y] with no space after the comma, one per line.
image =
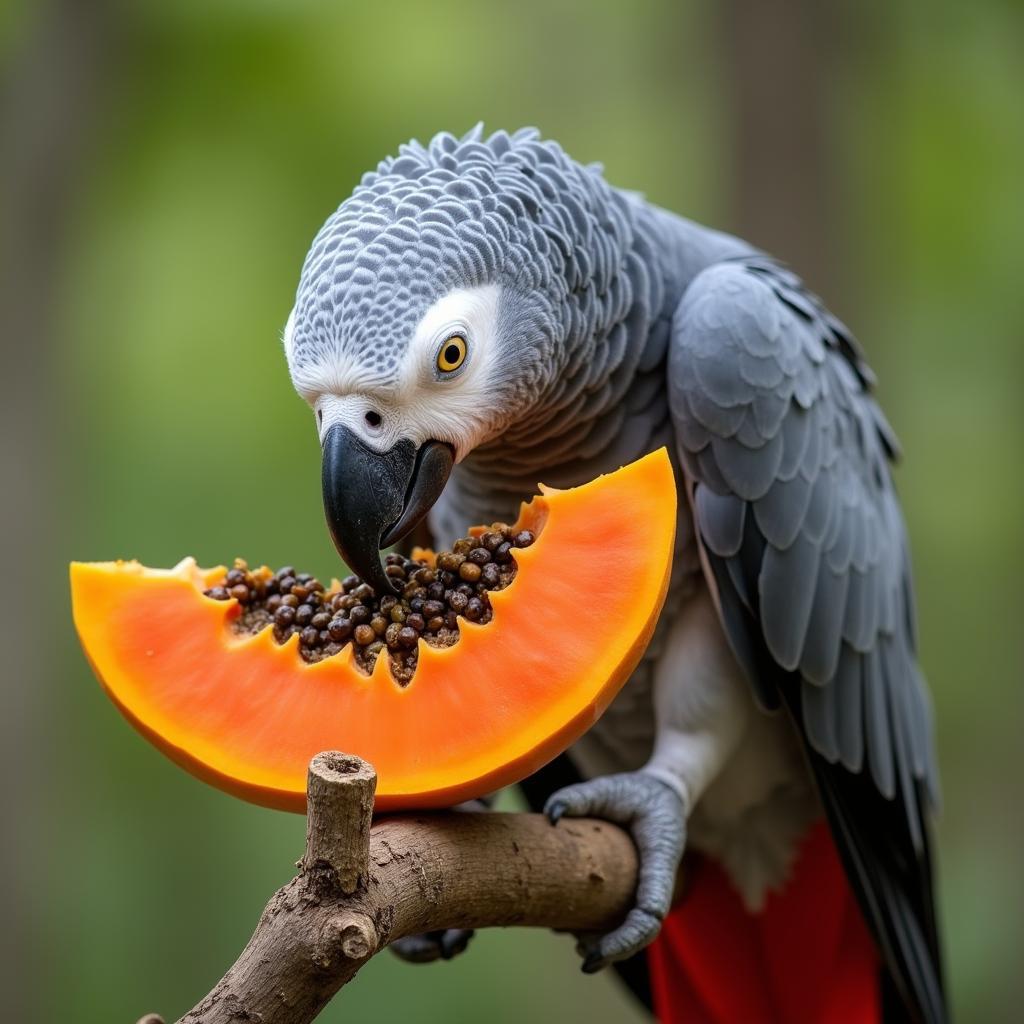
[590,328]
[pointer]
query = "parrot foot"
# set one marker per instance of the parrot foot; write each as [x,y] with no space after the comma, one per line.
[431,946]
[655,815]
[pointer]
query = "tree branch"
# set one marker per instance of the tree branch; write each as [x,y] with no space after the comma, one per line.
[361,887]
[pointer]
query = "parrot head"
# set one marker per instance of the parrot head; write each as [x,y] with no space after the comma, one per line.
[435,311]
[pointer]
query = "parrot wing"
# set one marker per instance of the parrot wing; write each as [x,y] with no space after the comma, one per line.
[802,533]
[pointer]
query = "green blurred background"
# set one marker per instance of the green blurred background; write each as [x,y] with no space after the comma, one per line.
[164,167]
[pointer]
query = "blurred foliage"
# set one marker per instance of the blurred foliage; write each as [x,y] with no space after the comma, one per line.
[228,131]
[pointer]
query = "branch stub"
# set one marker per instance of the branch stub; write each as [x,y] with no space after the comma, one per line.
[339,809]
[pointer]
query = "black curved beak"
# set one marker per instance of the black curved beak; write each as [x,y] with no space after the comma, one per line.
[372,499]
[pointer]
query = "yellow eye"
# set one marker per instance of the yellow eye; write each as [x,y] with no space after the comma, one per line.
[452,354]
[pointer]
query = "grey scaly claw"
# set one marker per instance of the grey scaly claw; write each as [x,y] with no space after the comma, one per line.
[654,812]
[431,946]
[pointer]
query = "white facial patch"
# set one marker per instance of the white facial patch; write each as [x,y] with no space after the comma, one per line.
[452,407]
[420,401]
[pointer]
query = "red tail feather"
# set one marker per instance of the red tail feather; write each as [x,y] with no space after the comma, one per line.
[807,958]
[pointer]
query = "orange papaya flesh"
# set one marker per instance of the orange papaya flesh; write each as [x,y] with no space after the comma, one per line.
[247,713]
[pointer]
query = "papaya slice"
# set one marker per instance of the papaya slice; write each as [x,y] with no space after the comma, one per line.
[247,713]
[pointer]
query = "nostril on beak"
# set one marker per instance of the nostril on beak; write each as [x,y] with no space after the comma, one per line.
[373,418]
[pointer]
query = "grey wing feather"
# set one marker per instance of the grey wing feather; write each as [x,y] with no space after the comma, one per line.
[815,478]
[795,506]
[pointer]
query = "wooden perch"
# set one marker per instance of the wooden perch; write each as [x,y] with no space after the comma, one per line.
[361,887]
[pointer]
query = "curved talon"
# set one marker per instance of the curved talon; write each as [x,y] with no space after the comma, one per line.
[638,930]
[554,810]
[454,941]
[655,815]
[430,946]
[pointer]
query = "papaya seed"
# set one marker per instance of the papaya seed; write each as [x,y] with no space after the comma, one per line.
[340,629]
[364,635]
[432,599]
[449,561]
[469,571]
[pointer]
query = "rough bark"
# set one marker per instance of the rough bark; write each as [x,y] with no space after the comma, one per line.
[361,886]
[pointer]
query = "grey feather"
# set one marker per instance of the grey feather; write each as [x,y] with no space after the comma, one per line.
[763,374]
[848,708]
[839,548]
[780,513]
[796,433]
[897,676]
[820,508]
[720,382]
[748,472]
[719,420]
[769,408]
[749,434]
[739,582]
[877,730]
[823,643]
[721,521]
[786,591]
[819,720]
[708,472]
